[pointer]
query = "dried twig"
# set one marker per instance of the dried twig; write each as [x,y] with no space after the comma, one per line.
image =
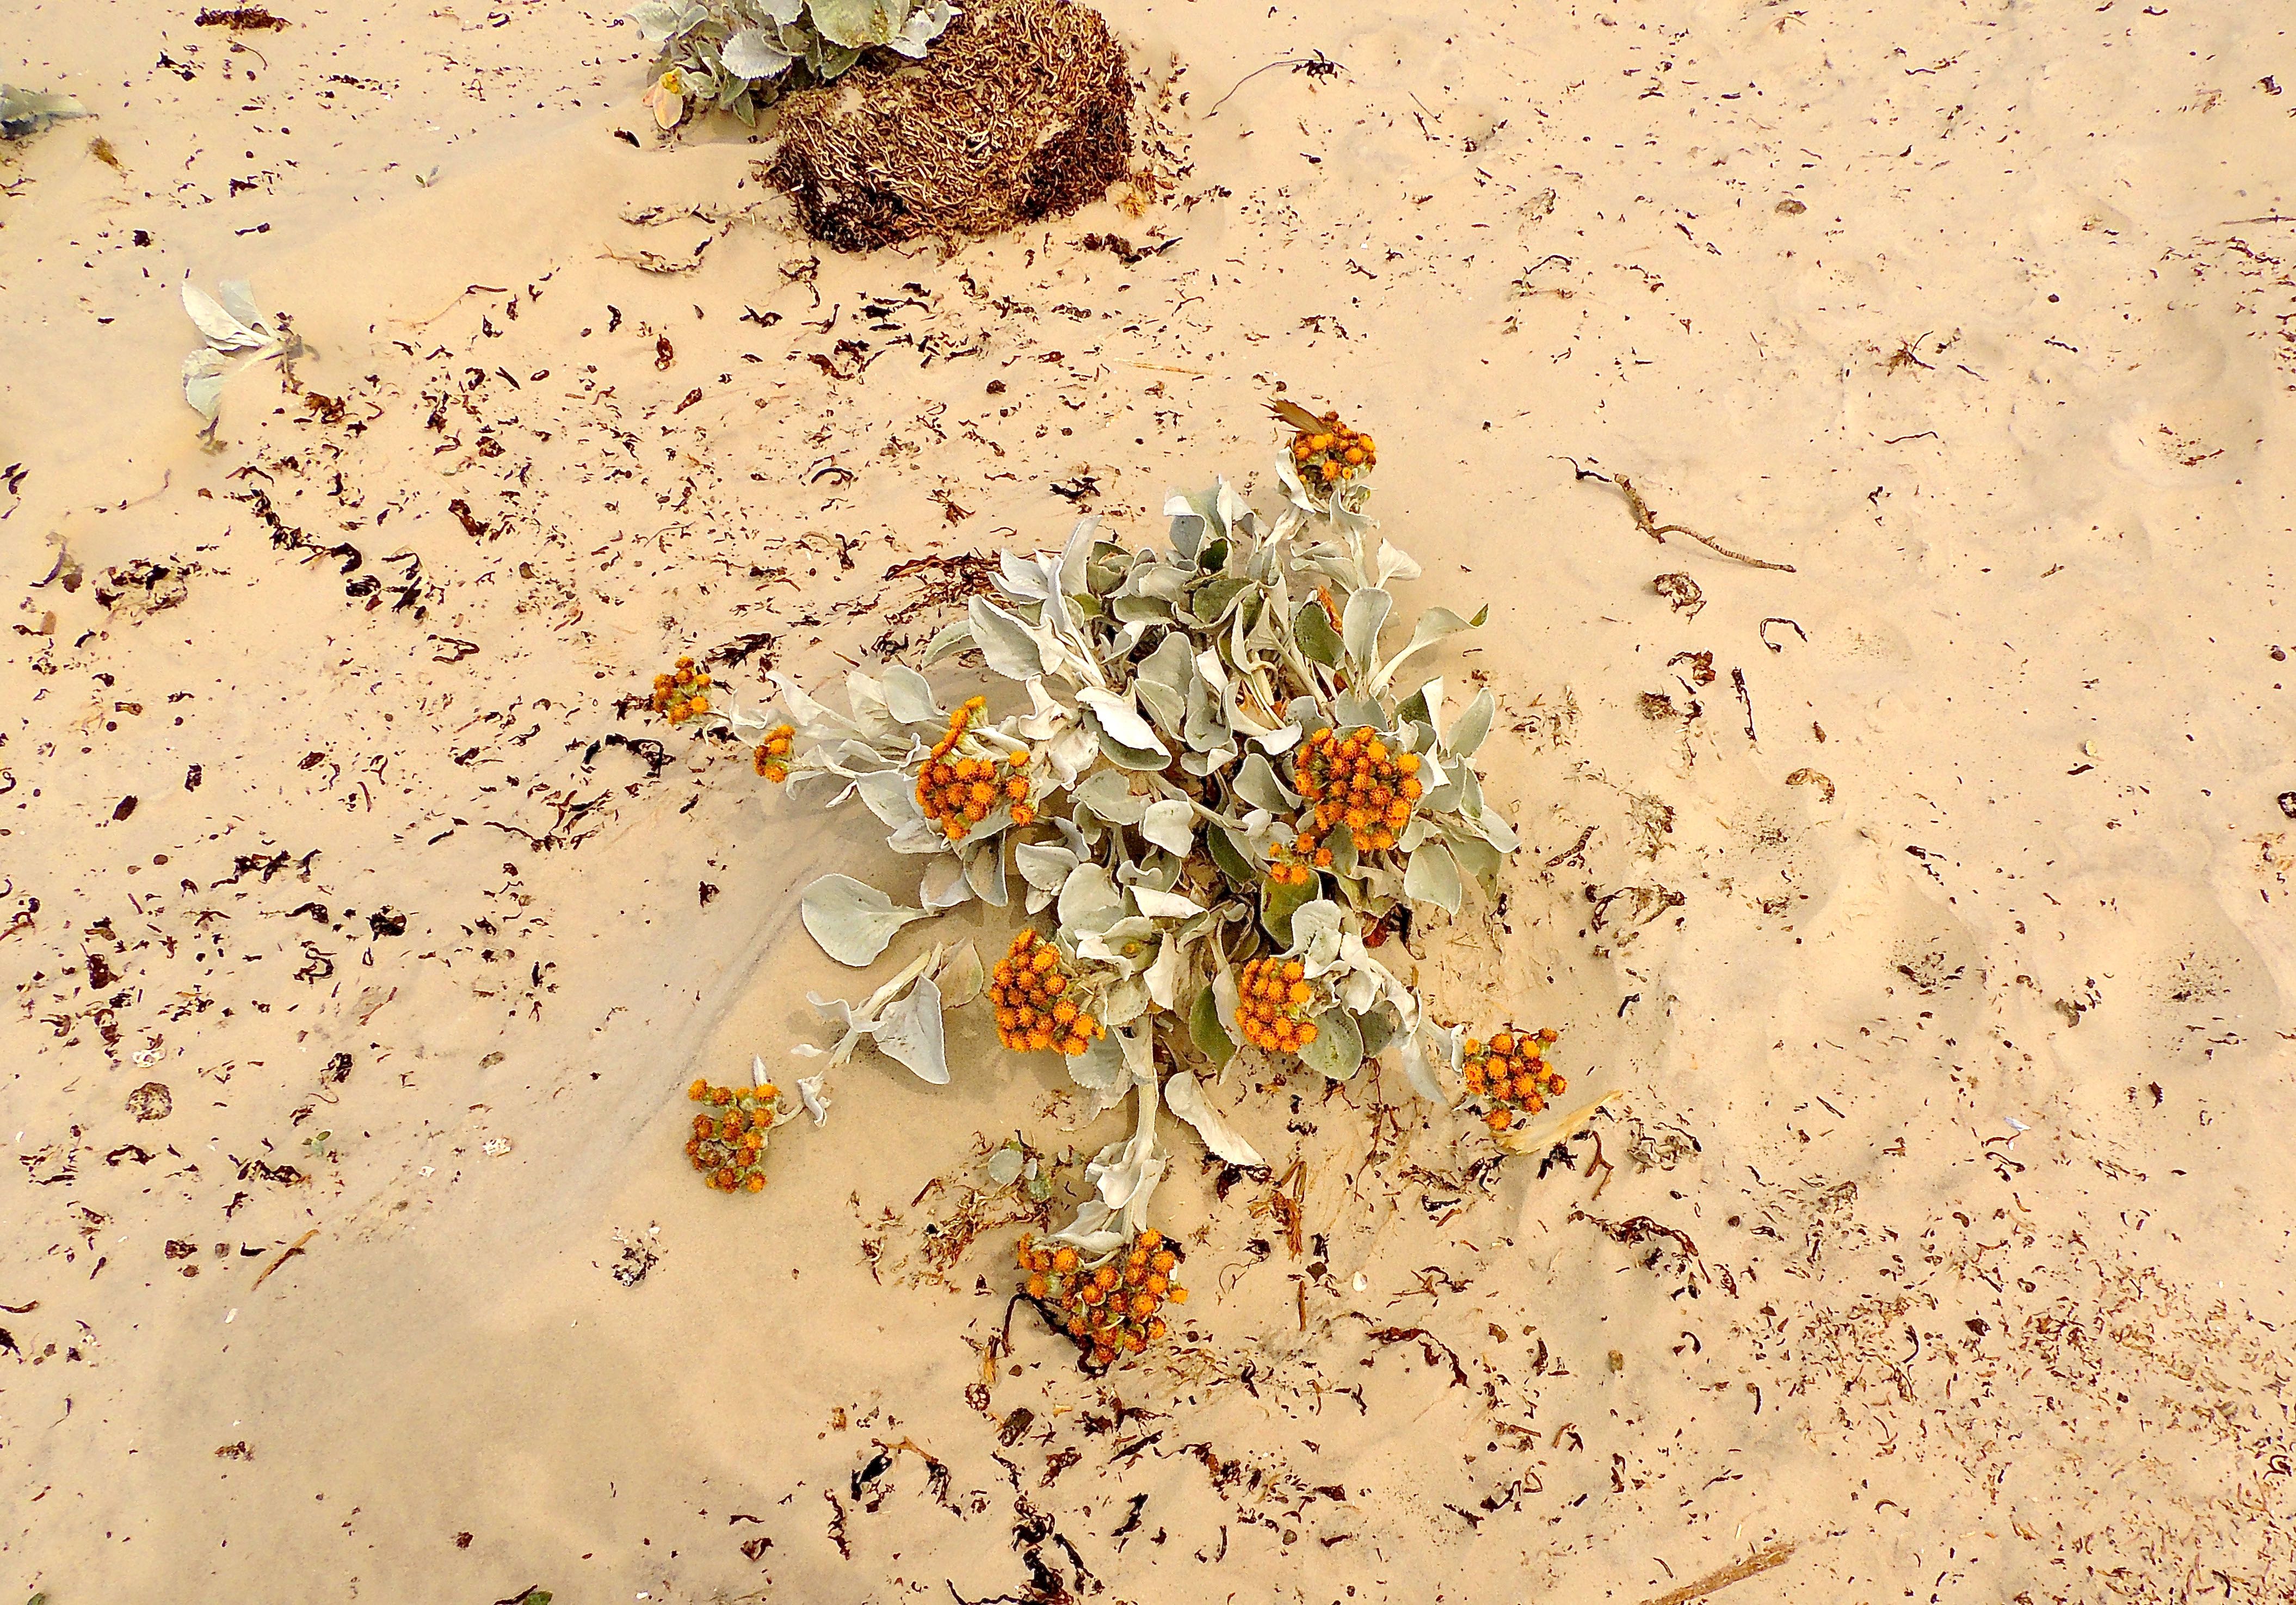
[1745,699]
[1647,522]
[655,262]
[1761,1560]
[286,1254]
[1315,66]
[1585,837]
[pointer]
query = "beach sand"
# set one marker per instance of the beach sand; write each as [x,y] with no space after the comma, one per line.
[1932,930]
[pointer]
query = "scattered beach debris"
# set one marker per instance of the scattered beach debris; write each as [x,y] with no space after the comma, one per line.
[637,1258]
[1022,110]
[24,112]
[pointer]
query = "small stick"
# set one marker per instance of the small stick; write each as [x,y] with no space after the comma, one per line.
[1598,1162]
[286,1254]
[1761,1560]
[1585,837]
[1647,522]
[1738,679]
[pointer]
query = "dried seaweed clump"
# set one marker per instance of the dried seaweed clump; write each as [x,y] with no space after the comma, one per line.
[1022,110]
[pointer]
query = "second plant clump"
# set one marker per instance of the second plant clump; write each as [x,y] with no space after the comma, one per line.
[742,55]
[1217,786]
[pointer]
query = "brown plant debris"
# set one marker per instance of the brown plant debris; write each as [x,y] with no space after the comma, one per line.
[1647,522]
[1811,777]
[237,17]
[1022,110]
[1761,1560]
[1681,593]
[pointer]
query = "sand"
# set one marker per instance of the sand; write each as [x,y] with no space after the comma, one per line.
[1937,945]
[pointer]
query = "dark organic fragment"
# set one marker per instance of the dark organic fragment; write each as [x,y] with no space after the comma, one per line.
[1021,112]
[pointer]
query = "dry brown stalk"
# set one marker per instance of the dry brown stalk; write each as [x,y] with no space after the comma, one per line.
[1761,1560]
[1647,522]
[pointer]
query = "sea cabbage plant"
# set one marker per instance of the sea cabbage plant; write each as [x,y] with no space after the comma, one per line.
[1217,773]
[742,55]
[238,335]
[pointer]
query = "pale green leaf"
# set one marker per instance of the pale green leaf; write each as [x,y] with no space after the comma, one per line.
[1121,722]
[911,1032]
[857,24]
[853,922]
[1204,1028]
[1360,621]
[1432,876]
[1006,643]
[1337,1053]
[1469,730]
[1170,825]
[1183,1096]
[1279,902]
[1257,783]
[960,978]
[1311,628]
[1231,860]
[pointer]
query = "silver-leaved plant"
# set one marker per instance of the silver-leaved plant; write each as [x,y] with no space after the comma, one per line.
[742,55]
[1219,775]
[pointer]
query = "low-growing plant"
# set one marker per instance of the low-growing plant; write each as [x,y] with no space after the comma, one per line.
[1215,788]
[742,55]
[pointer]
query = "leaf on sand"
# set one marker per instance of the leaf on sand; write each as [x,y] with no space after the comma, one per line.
[1183,1096]
[1468,729]
[203,376]
[225,330]
[911,1032]
[815,1100]
[853,922]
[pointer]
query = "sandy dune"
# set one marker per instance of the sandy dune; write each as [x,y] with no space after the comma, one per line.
[1937,942]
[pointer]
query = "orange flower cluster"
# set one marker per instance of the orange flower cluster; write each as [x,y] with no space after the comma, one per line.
[1295,863]
[1112,1309]
[1276,1000]
[683,694]
[728,1147]
[1510,1073]
[1332,452]
[772,758]
[957,793]
[1030,992]
[1354,780]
